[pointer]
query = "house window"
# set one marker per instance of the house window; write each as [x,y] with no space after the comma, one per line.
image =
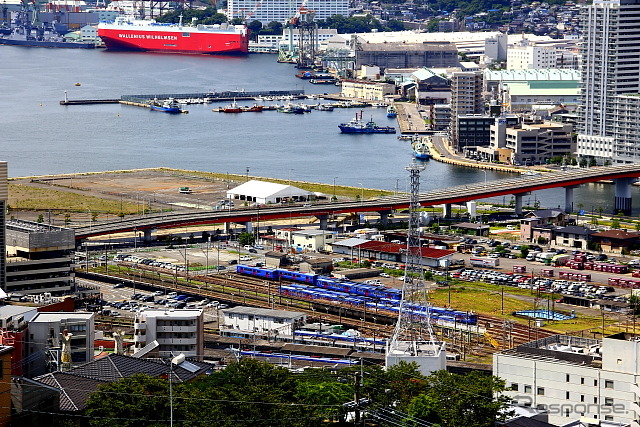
[567,378]
[608,417]
[527,388]
[581,380]
[540,391]
[582,398]
[514,386]
[608,384]
[566,395]
[608,401]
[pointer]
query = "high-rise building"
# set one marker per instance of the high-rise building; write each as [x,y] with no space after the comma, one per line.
[283,10]
[610,55]
[466,99]
[4,197]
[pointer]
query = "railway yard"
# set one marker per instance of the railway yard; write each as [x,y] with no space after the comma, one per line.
[473,341]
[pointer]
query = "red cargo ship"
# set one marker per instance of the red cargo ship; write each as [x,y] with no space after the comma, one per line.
[129,34]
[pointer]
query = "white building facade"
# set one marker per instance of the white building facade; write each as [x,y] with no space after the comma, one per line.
[252,321]
[282,10]
[573,377]
[175,331]
[609,68]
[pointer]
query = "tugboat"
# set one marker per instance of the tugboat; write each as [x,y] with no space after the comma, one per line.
[421,149]
[232,108]
[357,125]
[391,111]
[168,106]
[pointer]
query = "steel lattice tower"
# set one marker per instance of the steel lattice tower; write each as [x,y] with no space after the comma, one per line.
[413,335]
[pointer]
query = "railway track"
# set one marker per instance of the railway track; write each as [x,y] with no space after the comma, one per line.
[257,292]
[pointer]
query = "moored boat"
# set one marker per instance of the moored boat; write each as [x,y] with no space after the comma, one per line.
[126,33]
[232,108]
[167,106]
[391,111]
[357,125]
[421,149]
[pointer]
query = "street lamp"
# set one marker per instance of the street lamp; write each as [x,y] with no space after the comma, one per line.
[334,188]
[361,193]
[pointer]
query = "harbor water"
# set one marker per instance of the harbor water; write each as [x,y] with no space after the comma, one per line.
[39,136]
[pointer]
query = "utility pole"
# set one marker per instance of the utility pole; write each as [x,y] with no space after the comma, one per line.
[356,395]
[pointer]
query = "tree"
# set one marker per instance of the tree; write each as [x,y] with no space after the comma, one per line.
[592,162]
[615,224]
[583,162]
[254,28]
[40,219]
[67,219]
[524,251]
[574,162]
[457,400]
[245,238]
[129,401]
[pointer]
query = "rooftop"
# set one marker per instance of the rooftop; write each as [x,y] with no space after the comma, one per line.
[264,312]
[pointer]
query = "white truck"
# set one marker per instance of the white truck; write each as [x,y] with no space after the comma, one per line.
[484,262]
[543,256]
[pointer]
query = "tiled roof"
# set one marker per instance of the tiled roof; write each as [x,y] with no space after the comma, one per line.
[617,234]
[74,389]
[77,383]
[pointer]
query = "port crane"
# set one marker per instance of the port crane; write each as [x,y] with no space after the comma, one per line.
[303,21]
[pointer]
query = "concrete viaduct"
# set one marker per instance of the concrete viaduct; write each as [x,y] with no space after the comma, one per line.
[623,177]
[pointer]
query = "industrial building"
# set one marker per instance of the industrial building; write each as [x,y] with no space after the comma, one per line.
[573,377]
[362,89]
[39,258]
[534,89]
[407,55]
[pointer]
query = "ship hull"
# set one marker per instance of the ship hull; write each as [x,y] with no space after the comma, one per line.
[176,41]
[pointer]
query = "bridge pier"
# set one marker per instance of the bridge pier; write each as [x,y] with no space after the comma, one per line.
[248,227]
[147,235]
[623,195]
[518,200]
[568,198]
[384,216]
[446,210]
[323,221]
[227,228]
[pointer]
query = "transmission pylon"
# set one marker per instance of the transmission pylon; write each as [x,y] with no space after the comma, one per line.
[413,339]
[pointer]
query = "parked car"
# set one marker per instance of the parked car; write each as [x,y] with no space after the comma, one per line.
[253,251]
[118,285]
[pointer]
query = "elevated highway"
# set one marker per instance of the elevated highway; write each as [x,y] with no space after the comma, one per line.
[623,176]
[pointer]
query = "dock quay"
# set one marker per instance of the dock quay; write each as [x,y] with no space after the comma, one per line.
[410,120]
[89,101]
[191,98]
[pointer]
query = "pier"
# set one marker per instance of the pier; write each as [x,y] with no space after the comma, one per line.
[199,97]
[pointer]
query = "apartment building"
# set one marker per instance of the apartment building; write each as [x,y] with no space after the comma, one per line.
[167,333]
[610,58]
[283,10]
[466,100]
[45,340]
